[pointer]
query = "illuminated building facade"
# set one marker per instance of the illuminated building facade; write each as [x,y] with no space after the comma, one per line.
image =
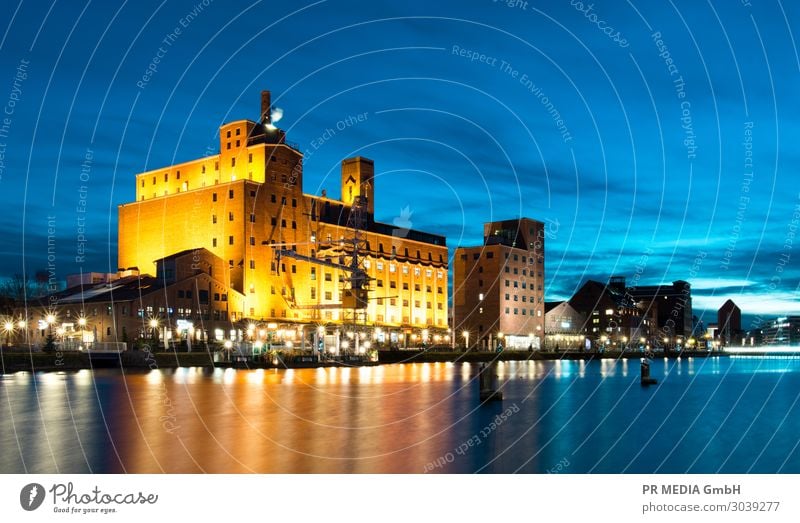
[564,327]
[499,287]
[246,204]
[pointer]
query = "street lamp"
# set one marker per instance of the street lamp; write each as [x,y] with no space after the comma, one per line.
[154,326]
[624,342]
[8,326]
[466,339]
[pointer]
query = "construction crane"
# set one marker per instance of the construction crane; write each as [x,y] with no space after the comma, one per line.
[355,290]
[355,299]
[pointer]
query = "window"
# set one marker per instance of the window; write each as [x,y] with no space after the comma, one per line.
[405,286]
[294,202]
[250,158]
[313,293]
[213,242]
[213,218]
[252,240]
[328,276]
[230,216]
[273,221]
[252,218]
[233,162]
[228,134]
[230,194]
[230,240]
[228,145]
[392,284]
[237,131]
[328,295]
[238,143]
[252,264]
[379,266]
[213,197]
[272,198]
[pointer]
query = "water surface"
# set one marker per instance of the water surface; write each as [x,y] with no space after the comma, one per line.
[732,415]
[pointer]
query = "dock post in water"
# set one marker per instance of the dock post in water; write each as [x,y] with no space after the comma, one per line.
[487,379]
[645,373]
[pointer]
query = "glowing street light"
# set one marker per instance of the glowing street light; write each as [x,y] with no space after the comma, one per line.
[82,321]
[466,339]
[8,326]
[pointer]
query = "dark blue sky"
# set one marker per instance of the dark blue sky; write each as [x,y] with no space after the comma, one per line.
[673,166]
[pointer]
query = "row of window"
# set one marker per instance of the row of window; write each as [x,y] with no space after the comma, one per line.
[523,312]
[490,255]
[534,299]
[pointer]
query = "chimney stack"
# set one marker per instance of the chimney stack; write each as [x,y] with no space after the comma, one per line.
[266,107]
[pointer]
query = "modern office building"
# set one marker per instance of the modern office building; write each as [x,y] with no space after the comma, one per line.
[498,287]
[781,331]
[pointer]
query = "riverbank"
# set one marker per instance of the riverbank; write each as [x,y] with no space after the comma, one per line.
[12,361]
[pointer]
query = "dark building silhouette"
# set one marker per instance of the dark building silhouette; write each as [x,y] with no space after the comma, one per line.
[672,305]
[613,313]
[729,321]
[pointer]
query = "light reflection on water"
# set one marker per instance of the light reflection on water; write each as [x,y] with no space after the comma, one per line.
[705,415]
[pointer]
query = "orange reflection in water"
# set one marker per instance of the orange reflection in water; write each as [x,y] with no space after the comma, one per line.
[335,419]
